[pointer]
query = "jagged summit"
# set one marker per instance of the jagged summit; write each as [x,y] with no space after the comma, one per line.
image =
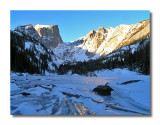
[47,34]
[93,45]
[104,41]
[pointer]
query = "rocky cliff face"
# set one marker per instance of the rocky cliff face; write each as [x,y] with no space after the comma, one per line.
[47,34]
[105,41]
[92,46]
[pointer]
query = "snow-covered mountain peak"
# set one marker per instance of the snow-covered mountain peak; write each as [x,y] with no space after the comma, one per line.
[93,45]
[104,41]
[38,26]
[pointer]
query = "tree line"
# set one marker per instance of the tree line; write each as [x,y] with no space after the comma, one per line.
[138,61]
[24,60]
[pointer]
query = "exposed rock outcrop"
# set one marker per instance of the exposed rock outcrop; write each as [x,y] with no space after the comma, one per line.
[105,41]
[47,34]
[25,94]
[103,90]
[92,46]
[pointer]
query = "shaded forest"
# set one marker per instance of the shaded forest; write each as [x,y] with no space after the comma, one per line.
[25,60]
[138,61]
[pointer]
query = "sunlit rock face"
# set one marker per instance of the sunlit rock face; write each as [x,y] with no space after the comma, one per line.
[105,41]
[95,44]
[47,34]
[94,39]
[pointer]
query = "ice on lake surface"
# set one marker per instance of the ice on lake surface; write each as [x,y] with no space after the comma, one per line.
[73,95]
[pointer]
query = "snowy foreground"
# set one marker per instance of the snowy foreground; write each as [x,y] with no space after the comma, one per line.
[73,95]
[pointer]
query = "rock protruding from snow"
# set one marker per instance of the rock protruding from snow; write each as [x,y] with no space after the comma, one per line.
[103,90]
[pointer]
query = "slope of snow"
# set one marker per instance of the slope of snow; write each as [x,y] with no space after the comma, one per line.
[137,95]
[67,53]
[125,30]
[40,49]
[28,45]
[20,34]
[38,26]
[109,35]
[115,73]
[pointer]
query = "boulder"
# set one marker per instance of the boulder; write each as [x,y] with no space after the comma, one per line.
[25,93]
[128,82]
[103,90]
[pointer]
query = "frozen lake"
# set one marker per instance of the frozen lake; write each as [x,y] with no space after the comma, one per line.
[73,95]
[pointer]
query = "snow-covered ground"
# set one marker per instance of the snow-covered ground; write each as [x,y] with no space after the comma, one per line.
[72,94]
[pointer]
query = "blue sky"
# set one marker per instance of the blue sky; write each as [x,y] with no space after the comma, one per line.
[75,24]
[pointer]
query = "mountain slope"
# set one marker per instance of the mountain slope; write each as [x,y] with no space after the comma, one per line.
[42,45]
[104,41]
[135,57]
[30,55]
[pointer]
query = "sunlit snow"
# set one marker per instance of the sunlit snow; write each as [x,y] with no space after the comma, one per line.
[72,94]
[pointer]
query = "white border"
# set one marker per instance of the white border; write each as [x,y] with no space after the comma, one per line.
[8,5]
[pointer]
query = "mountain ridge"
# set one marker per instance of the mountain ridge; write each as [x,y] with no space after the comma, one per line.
[102,43]
[113,38]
